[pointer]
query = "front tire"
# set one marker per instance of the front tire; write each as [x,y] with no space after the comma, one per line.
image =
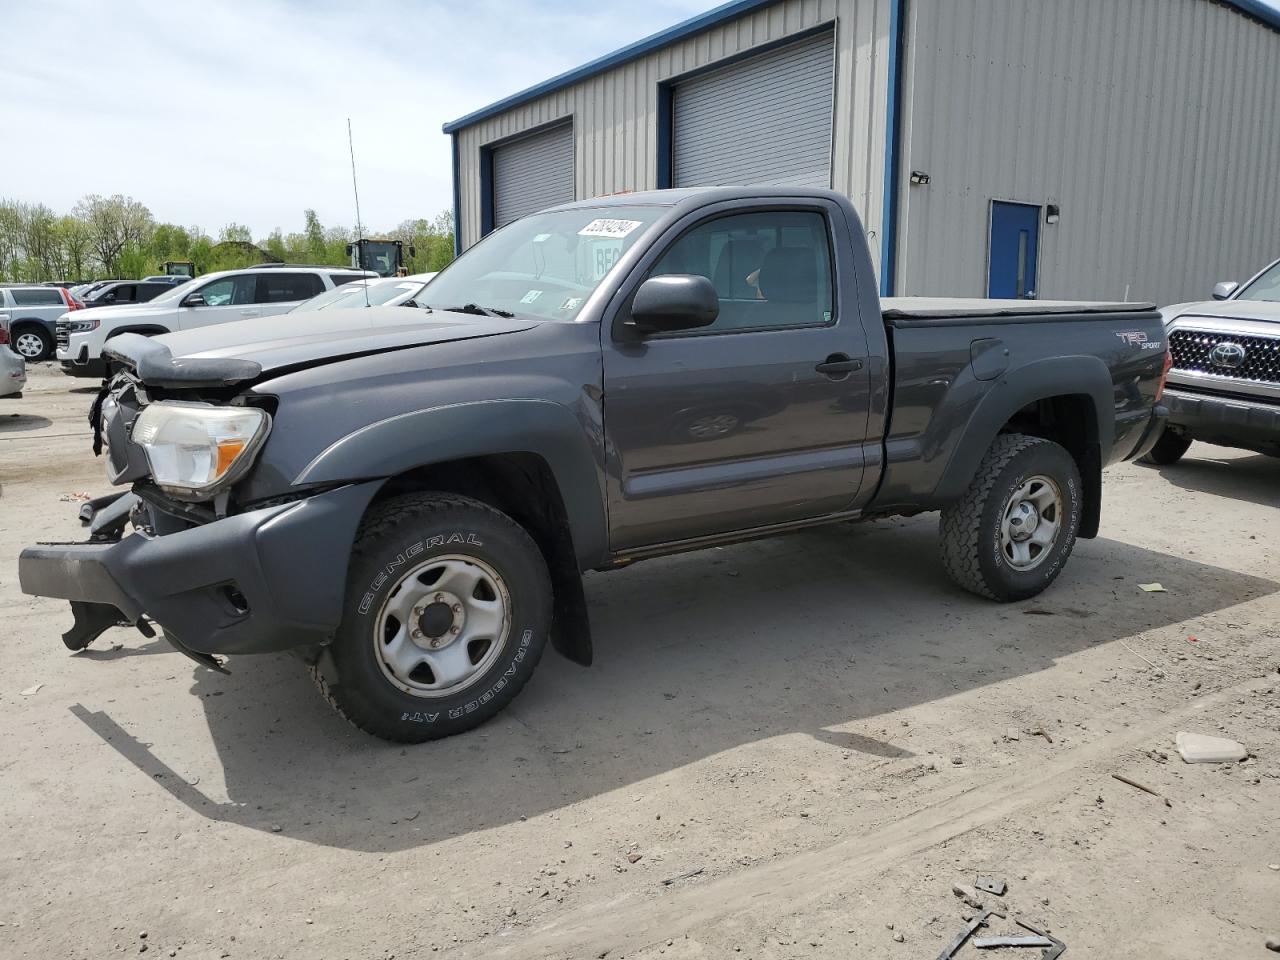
[33,343]
[1168,449]
[447,612]
[1009,535]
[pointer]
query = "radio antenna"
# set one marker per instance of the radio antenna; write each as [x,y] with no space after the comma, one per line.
[355,188]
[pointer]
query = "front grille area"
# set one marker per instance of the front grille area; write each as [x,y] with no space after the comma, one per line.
[62,332]
[1193,349]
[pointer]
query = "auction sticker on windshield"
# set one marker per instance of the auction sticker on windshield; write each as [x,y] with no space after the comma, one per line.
[614,229]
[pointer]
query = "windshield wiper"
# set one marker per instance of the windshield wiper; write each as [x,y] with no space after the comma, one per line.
[480,311]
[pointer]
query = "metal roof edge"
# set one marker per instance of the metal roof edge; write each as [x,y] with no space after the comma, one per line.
[687,28]
[1257,10]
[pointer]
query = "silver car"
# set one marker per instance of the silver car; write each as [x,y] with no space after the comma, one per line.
[13,369]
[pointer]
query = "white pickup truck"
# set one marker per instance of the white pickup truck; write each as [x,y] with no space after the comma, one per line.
[1224,387]
[262,291]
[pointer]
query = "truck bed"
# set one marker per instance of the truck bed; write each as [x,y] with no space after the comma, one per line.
[897,309]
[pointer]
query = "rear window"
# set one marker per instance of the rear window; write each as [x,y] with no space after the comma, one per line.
[284,287]
[38,297]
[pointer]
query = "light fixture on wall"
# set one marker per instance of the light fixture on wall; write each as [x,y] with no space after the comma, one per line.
[1051,213]
[919,177]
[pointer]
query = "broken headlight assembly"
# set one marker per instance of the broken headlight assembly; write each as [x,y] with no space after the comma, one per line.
[197,449]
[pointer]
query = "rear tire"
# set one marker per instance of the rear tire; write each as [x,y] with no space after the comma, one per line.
[447,612]
[1168,449]
[1010,533]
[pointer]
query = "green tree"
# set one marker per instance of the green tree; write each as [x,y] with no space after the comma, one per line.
[114,223]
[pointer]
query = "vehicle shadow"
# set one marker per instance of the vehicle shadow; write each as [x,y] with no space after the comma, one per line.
[1254,478]
[20,422]
[803,633]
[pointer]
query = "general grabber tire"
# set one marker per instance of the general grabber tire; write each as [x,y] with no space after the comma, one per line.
[447,611]
[1009,535]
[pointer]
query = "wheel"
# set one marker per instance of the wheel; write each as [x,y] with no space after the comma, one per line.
[1010,533]
[447,612]
[1168,449]
[33,344]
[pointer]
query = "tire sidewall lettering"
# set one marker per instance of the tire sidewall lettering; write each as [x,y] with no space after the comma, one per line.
[453,713]
[421,546]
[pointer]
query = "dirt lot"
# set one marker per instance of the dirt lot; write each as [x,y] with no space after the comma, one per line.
[819,724]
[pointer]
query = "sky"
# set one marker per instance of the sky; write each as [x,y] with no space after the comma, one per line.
[213,113]
[236,111]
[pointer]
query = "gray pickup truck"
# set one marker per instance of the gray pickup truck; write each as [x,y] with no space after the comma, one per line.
[408,499]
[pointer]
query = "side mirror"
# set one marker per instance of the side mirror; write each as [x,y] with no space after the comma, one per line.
[348,249]
[678,302]
[195,300]
[412,252]
[1224,290]
[109,298]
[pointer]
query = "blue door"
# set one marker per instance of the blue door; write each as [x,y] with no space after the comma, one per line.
[1014,246]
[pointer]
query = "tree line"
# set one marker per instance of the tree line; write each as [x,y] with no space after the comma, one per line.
[117,237]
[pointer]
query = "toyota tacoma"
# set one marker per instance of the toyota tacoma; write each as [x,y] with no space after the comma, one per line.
[1224,386]
[408,499]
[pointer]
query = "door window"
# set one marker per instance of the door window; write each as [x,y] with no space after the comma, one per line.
[287,287]
[770,269]
[229,291]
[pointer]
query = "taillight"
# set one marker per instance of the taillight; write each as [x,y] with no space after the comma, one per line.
[1164,374]
[4,336]
[71,302]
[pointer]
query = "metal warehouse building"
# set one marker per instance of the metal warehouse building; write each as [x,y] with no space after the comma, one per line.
[1101,149]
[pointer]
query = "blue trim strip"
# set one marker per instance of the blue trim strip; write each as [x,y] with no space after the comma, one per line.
[665,159]
[1262,10]
[457,201]
[726,11]
[486,191]
[892,147]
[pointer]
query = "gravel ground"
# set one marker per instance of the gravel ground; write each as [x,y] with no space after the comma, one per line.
[812,738]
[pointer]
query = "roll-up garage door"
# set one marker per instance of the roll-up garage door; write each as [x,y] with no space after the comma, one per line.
[763,120]
[532,174]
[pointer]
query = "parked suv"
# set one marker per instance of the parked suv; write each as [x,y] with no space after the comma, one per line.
[33,313]
[122,292]
[213,298]
[1224,387]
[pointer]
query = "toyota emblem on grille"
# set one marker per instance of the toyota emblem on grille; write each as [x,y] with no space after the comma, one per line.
[1227,354]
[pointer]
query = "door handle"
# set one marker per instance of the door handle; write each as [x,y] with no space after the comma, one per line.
[838,366]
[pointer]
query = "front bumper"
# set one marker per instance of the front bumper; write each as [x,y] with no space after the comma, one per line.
[261,581]
[1228,422]
[75,361]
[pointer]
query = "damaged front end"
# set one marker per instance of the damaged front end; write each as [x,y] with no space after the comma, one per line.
[177,549]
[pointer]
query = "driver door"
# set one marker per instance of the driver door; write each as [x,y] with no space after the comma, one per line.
[225,299]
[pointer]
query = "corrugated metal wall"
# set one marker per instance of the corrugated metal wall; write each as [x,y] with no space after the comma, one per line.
[615,113]
[1154,124]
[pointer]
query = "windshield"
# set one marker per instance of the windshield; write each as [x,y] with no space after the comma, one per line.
[1266,287]
[391,292]
[544,266]
[380,256]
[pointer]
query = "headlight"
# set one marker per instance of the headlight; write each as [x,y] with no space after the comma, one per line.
[82,326]
[197,449]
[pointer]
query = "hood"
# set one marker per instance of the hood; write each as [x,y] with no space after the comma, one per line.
[116,310]
[1225,309]
[228,353]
